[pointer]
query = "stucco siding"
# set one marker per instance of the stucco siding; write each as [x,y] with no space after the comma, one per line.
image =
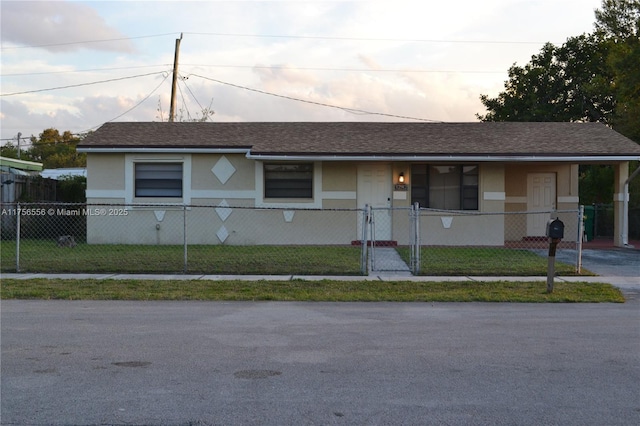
[231,187]
[209,172]
[452,230]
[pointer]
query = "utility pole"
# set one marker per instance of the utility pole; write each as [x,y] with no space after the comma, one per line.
[19,136]
[174,83]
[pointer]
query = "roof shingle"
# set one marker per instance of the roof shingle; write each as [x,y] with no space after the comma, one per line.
[371,138]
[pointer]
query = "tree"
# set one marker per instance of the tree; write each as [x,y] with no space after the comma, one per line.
[567,83]
[55,150]
[9,150]
[618,23]
[592,77]
[71,189]
[52,149]
[618,19]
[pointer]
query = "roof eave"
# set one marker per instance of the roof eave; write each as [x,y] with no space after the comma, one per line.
[480,158]
[159,150]
[445,158]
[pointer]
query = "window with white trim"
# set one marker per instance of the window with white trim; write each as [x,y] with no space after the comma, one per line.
[158,180]
[288,180]
[446,186]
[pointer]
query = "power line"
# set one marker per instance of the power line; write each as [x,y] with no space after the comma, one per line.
[290,36]
[130,109]
[390,70]
[349,110]
[192,94]
[84,70]
[84,42]
[277,67]
[81,84]
[414,40]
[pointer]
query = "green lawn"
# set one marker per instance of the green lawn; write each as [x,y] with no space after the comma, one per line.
[485,261]
[299,290]
[46,256]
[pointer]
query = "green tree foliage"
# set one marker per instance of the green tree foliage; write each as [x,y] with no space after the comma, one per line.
[71,189]
[55,150]
[566,83]
[591,77]
[9,150]
[618,23]
[52,149]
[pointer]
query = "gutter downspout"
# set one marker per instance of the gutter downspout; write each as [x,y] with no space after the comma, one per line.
[625,208]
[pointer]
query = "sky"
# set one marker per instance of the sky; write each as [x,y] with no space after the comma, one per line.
[74,65]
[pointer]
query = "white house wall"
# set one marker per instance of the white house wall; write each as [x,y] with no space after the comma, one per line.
[231,180]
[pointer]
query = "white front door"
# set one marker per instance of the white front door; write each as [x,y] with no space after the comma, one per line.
[374,189]
[541,196]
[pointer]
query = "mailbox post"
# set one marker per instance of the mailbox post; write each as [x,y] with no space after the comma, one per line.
[555,233]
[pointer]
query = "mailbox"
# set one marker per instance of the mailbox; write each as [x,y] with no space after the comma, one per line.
[555,229]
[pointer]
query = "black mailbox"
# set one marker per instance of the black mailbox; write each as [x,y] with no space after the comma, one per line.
[555,229]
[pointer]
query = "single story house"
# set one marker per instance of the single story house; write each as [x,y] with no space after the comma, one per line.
[481,167]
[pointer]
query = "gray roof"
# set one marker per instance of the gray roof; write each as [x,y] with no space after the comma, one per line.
[543,139]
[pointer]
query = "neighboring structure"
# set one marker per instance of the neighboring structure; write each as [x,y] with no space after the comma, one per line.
[14,178]
[57,174]
[481,167]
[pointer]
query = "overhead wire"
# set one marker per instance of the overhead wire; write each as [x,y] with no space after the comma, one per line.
[291,36]
[184,103]
[390,70]
[130,109]
[83,70]
[32,46]
[415,40]
[346,109]
[80,84]
[202,109]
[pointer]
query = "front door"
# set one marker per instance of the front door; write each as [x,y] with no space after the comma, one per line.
[541,196]
[374,189]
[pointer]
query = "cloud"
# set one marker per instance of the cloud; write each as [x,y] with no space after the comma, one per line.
[59,26]
[342,53]
[276,75]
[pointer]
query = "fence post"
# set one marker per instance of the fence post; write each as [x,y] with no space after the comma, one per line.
[18,214]
[363,245]
[184,236]
[580,239]
[415,209]
[372,232]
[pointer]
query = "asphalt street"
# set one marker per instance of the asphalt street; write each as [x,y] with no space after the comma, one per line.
[281,363]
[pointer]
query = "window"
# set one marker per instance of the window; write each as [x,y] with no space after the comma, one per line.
[158,180]
[288,180]
[446,187]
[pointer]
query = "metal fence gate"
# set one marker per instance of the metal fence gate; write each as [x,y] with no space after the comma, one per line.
[384,254]
[429,237]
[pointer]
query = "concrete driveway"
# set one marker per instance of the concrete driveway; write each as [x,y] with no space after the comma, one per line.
[274,363]
[617,262]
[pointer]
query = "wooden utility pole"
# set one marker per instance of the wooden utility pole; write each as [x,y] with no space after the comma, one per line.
[174,83]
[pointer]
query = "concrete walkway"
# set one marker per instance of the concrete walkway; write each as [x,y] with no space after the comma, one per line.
[387,261]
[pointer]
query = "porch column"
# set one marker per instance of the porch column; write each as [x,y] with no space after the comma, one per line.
[621,173]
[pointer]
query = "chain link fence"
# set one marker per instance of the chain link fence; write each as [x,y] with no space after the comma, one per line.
[447,242]
[207,239]
[243,240]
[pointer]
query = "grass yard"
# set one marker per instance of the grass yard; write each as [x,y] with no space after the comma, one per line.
[485,261]
[311,291]
[46,256]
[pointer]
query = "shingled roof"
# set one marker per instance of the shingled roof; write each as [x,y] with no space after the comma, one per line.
[370,139]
